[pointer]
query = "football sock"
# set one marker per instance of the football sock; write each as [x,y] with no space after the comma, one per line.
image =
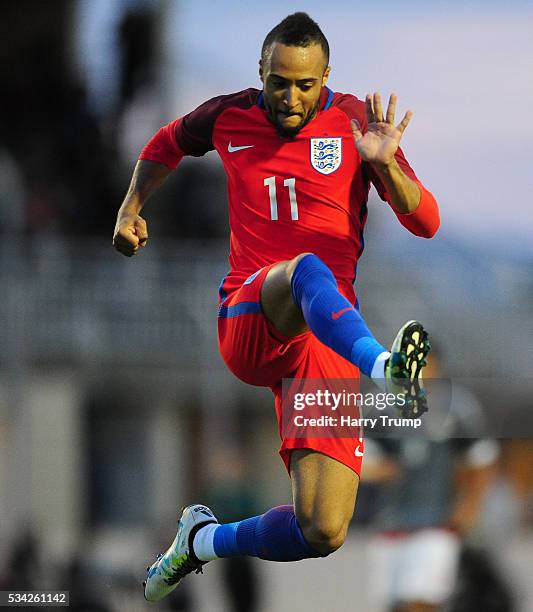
[331,317]
[203,542]
[378,369]
[273,536]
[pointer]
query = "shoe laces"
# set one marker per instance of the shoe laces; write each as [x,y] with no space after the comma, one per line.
[185,567]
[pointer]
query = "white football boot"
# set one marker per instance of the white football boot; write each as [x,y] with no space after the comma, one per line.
[179,560]
[403,369]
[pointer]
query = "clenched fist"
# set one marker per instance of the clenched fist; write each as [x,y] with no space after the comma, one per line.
[130,234]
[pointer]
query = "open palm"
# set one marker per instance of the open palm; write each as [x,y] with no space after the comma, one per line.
[382,138]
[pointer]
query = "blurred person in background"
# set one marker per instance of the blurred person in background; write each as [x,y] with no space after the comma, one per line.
[431,494]
[288,307]
[517,460]
[235,497]
[19,574]
[83,594]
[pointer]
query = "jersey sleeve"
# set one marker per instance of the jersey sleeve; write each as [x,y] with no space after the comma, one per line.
[163,148]
[192,134]
[425,220]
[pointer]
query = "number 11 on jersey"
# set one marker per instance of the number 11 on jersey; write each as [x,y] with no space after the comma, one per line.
[270,182]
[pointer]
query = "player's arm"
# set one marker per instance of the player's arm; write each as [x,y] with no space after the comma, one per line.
[403,192]
[131,231]
[191,134]
[414,205]
[157,160]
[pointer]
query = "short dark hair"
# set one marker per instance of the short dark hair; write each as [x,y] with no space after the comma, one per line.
[296,30]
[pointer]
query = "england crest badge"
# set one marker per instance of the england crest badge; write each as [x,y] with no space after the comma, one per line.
[326,154]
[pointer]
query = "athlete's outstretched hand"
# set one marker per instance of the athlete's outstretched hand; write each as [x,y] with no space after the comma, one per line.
[130,233]
[380,142]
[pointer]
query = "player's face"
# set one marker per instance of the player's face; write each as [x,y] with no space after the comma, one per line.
[292,80]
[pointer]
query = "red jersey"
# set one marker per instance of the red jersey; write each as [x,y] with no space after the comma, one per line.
[288,195]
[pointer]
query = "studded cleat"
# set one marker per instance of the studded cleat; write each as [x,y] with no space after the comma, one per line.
[179,560]
[403,369]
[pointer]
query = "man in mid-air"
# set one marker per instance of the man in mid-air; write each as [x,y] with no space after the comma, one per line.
[299,160]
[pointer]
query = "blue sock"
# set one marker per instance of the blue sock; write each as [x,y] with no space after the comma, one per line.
[274,536]
[330,316]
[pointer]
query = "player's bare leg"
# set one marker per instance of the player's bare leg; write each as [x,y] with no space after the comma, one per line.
[324,492]
[277,301]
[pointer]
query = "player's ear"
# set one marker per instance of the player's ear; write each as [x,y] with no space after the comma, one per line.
[261,70]
[325,76]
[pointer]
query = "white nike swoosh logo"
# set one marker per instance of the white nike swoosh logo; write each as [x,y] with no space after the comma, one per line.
[233,149]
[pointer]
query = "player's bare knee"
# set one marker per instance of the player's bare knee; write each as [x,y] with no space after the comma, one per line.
[324,536]
[276,290]
[277,300]
[279,278]
[324,539]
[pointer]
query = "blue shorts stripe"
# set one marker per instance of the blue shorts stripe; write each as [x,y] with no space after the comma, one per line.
[221,291]
[227,312]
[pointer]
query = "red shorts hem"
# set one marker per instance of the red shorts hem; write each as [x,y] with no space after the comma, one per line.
[351,461]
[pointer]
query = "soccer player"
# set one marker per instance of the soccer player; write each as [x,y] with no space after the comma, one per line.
[299,160]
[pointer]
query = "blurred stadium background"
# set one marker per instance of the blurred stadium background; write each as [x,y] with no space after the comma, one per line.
[115,408]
